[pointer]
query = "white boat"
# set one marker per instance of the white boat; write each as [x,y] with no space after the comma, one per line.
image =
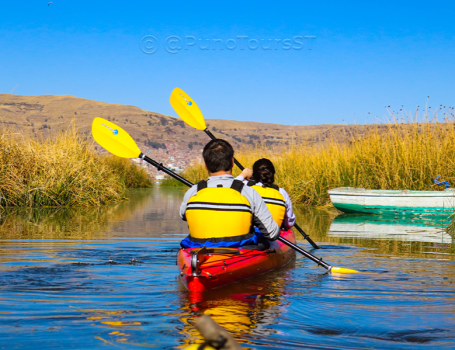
[393,202]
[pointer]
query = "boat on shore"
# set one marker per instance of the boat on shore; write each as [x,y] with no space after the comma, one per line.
[205,268]
[393,202]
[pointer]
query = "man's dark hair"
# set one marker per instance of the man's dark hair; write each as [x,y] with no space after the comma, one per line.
[218,155]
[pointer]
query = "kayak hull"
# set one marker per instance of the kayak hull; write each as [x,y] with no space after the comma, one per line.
[219,267]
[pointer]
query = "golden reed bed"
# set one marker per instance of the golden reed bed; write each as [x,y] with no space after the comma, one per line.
[397,155]
[62,170]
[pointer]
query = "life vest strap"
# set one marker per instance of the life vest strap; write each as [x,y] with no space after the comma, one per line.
[236,185]
[201,185]
[274,201]
[254,182]
[218,206]
[222,239]
[251,183]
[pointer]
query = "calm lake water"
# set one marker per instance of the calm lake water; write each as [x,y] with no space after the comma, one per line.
[107,278]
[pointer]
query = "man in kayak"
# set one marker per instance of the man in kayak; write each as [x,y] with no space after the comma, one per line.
[222,211]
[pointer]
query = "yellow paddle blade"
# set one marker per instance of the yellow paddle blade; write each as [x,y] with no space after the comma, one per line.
[114,139]
[187,109]
[342,270]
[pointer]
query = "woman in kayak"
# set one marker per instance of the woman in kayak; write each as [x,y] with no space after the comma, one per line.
[276,198]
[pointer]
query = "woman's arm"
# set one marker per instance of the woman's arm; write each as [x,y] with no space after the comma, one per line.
[289,217]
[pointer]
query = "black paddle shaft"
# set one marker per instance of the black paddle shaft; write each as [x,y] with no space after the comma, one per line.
[305,236]
[305,253]
[160,167]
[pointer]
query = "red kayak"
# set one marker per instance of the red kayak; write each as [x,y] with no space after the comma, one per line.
[207,268]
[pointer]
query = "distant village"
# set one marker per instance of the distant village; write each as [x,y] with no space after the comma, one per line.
[173,157]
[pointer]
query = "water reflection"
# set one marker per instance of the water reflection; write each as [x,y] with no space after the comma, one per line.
[246,309]
[391,228]
[147,213]
[410,237]
[106,277]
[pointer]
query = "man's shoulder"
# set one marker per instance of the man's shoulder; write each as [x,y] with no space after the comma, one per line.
[192,189]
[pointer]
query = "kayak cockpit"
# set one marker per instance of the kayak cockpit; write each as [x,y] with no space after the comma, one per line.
[207,268]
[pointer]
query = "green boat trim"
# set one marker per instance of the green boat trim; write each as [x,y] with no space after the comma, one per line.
[393,210]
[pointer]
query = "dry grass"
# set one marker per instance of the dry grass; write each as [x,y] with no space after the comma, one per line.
[394,155]
[63,170]
[130,174]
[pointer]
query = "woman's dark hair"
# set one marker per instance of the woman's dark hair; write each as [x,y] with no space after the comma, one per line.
[264,171]
[218,155]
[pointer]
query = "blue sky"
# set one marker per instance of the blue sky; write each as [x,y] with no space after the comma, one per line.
[363,56]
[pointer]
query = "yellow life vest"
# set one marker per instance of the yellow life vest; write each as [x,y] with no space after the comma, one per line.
[273,199]
[219,214]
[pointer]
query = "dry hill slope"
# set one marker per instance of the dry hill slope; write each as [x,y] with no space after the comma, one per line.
[164,136]
[33,114]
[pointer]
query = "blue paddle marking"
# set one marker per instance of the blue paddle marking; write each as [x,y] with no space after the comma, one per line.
[189,103]
[115,132]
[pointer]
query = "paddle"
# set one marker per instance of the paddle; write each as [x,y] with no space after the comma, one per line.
[189,111]
[117,141]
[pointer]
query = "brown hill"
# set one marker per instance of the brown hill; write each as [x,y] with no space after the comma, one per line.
[163,136]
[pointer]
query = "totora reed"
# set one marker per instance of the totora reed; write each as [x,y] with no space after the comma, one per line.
[62,170]
[398,156]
